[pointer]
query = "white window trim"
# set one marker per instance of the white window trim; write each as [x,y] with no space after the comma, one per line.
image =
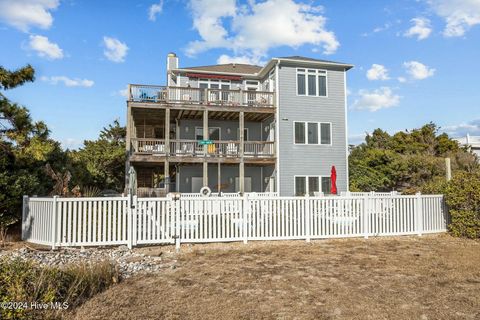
[317,72]
[219,132]
[307,187]
[319,134]
[215,81]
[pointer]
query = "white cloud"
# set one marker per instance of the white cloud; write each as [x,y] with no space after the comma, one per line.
[223,59]
[421,29]
[115,50]
[254,28]
[356,139]
[459,15]
[402,79]
[23,14]
[71,143]
[461,130]
[123,92]
[45,48]
[417,70]
[377,99]
[154,10]
[68,81]
[377,72]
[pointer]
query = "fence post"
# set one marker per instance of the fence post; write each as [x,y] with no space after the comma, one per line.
[246,207]
[135,220]
[54,222]
[308,214]
[129,222]
[419,213]
[24,216]
[366,216]
[178,222]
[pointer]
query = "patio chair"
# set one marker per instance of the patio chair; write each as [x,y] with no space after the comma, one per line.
[231,149]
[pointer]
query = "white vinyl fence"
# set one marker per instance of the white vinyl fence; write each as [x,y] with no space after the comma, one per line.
[136,221]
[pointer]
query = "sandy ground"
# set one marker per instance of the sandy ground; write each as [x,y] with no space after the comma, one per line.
[429,277]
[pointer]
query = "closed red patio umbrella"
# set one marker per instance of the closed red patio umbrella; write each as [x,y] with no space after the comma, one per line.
[333,178]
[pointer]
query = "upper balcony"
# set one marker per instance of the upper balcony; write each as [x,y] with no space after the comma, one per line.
[201,96]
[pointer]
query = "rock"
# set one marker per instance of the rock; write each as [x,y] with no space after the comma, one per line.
[123,248]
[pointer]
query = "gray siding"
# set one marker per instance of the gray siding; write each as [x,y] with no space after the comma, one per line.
[311,159]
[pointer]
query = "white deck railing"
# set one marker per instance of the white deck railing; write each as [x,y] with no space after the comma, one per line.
[192,148]
[188,95]
[132,221]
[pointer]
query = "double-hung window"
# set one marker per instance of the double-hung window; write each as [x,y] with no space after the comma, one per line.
[312,82]
[313,133]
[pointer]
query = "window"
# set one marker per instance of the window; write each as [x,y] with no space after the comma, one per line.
[306,185]
[245,134]
[301,84]
[213,132]
[311,184]
[300,132]
[312,82]
[214,84]
[312,133]
[316,133]
[300,186]
[326,133]
[326,185]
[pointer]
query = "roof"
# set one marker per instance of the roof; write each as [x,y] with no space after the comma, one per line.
[258,71]
[239,68]
[310,59]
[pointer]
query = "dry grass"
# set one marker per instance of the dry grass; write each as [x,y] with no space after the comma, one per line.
[432,277]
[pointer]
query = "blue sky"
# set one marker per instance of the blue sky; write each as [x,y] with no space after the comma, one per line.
[415,61]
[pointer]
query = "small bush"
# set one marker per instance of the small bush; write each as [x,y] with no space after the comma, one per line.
[28,282]
[462,195]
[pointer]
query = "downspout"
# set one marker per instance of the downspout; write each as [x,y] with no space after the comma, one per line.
[346,128]
[277,128]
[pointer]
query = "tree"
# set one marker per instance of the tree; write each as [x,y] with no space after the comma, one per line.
[101,163]
[405,161]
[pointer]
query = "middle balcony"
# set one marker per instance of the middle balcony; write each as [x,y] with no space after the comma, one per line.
[146,150]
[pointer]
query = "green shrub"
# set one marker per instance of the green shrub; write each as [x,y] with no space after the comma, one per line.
[462,195]
[26,281]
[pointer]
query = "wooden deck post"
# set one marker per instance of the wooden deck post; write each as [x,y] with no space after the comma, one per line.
[241,151]
[167,151]
[205,148]
[128,141]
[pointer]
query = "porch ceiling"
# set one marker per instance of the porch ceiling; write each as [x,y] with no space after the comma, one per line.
[152,116]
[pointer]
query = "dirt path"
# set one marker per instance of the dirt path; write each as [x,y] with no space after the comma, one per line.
[432,277]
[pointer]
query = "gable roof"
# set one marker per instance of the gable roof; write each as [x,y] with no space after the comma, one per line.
[233,68]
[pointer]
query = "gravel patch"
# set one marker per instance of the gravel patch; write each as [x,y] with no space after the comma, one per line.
[129,262]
